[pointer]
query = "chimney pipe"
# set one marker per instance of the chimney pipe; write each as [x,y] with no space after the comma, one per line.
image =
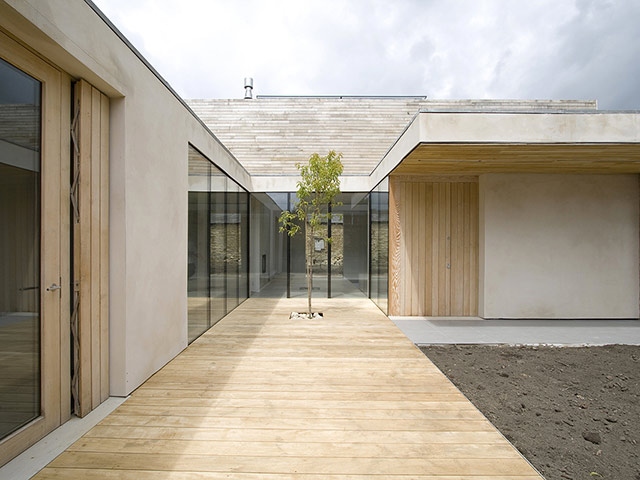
[248,88]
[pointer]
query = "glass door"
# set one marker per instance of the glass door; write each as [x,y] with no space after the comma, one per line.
[34,342]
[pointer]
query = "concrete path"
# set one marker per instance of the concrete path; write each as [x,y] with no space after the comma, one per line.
[555,332]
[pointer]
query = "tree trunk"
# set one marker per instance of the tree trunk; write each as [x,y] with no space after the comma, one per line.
[310,270]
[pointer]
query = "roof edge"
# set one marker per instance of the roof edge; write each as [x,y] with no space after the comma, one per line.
[146,63]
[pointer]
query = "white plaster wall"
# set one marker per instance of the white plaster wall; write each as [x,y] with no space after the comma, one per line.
[559,246]
[611,127]
[150,133]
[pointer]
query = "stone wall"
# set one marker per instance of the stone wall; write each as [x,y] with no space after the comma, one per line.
[380,248]
[225,244]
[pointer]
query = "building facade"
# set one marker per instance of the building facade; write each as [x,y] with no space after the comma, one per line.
[132,220]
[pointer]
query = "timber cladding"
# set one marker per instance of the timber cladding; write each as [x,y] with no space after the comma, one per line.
[433,248]
[91,249]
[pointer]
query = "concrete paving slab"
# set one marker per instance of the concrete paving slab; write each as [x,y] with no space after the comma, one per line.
[425,331]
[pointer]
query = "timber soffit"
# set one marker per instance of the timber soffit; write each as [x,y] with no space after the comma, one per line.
[589,110]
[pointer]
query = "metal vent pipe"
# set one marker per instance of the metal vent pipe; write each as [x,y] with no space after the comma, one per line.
[248,88]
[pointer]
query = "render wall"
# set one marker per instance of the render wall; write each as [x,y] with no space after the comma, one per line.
[558,246]
[150,133]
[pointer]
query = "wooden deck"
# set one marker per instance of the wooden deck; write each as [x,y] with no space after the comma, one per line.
[260,396]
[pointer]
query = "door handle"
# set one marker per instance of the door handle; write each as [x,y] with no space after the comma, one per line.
[53,287]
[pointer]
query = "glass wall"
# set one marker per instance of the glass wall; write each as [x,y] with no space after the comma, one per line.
[198,283]
[268,259]
[232,251]
[216,253]
[297,263]
[278,267]
[379,245]
[349,245]
[19,248]
[320,259]
[243,245]
[236,248]
[218,243]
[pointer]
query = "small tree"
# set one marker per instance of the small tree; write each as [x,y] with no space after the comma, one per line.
[317,188]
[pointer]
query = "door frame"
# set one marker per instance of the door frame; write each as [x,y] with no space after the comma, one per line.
[55,404]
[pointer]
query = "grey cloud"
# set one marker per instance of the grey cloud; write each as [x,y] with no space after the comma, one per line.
[498,49]
[596,56]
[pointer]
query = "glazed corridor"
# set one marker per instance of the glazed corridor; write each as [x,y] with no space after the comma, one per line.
[236,249]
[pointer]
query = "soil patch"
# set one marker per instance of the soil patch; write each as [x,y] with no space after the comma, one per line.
[574,413]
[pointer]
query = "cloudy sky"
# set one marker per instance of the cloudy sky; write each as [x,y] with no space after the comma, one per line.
[557,49]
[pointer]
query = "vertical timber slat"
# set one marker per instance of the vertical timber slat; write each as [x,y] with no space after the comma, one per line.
[473,254]
[442,251]
[467,251]
[455,253]
[394,248]
[422,245]
[428,246]
[95,248]
[65,241]
[83,246]
[408,243]
[447,246]
[459,239]
[91,247]
[435,251]
[104,248]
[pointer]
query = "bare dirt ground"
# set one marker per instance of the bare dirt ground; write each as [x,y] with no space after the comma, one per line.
[574,413]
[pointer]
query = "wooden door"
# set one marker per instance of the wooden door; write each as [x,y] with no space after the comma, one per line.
[43,155]
[434,246]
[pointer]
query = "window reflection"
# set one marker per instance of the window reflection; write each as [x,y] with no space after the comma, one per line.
[349,250]
[379,244]
[278,267]
[218,244]
[232,251]
[268,269]
[20,112]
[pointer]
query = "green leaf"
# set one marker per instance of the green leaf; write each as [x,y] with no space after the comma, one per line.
[318,187]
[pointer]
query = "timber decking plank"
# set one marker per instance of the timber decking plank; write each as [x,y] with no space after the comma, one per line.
[288,403]
[124,432]
[282,464]
[329,403]
[100,474]
[303,413]
[172,394]
[289,449]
